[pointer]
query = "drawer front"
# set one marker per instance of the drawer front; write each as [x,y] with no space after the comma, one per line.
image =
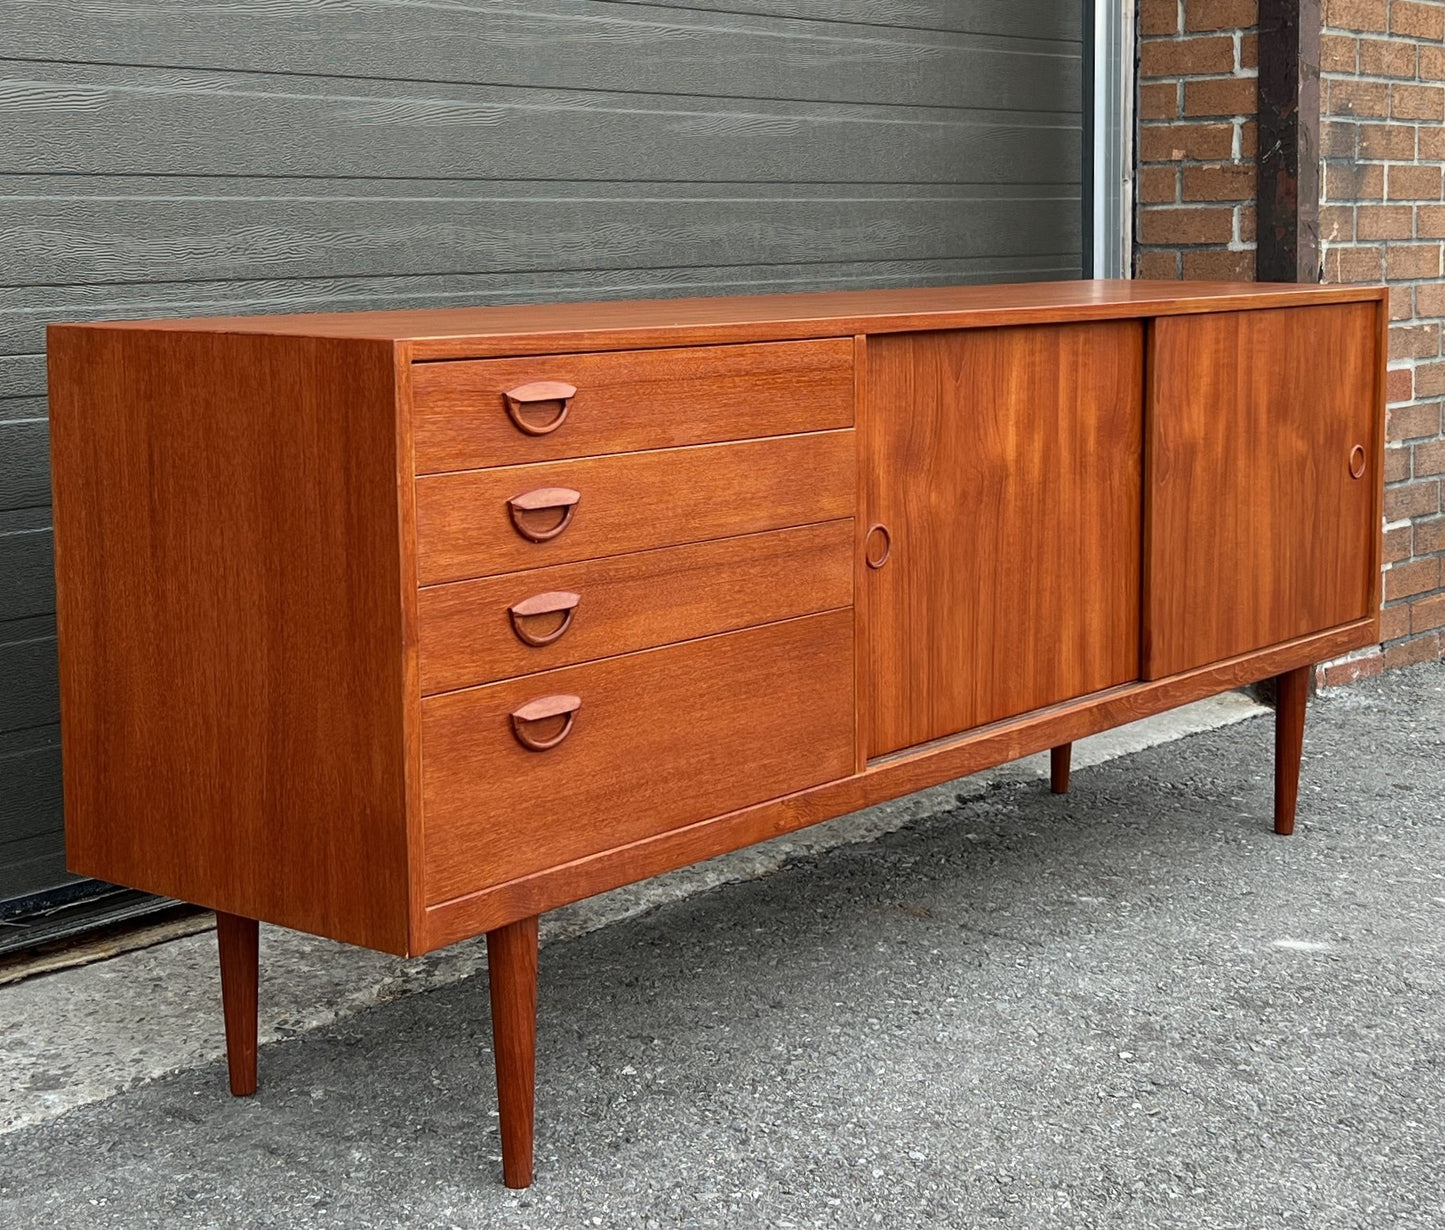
[498,627]
[472,523]
[489,412]
[662,739]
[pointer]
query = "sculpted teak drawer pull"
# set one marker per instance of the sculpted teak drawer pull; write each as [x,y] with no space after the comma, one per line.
[543,604]
[541,710]
[544,499]
[537,396]
[1357,461]
[878,546]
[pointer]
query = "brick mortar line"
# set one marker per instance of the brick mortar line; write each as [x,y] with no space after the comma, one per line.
[1339,74]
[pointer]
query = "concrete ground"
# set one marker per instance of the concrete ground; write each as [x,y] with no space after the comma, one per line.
[1132,1007]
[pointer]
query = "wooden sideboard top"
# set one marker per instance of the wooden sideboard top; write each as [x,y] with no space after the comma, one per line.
[465,332]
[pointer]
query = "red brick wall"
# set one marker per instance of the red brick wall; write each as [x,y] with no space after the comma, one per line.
[1382,218]
[1196,177]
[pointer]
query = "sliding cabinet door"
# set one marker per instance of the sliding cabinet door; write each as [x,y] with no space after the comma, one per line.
[1004,469]
[1264,467]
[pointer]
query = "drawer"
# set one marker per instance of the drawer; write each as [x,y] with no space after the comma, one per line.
[662,739]
[475,631]
[467,524]
[625,401]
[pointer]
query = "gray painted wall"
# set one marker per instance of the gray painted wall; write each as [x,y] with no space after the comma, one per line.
[183,157]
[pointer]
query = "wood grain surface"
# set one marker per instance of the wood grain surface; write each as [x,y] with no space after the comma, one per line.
[410,658]
[1060,758]
[544,328]
[1291,693]
[1256,532]
[1005,464]
[230,597]
[889,778]
[633,502]
[632,602]
[863,531]
[663,739]
[512,981]
[238,947]
[244,539]
[630,400]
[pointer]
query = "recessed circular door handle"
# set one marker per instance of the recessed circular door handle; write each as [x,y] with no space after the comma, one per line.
[527,403]
[1357,461]
[556,603]
[544,709]
[532,506]
[878,546]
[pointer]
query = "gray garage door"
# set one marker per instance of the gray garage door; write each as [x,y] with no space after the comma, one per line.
[189,157]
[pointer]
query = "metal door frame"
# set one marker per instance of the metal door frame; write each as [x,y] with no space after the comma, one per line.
[1109,138]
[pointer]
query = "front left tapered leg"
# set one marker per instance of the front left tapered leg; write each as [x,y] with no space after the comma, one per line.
[1291,691]
[238,940]
[1059,758]
[512,972]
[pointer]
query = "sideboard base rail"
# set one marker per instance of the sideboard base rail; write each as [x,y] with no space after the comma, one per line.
[451,921]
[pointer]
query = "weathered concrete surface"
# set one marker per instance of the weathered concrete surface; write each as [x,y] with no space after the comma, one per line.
[1131,1007]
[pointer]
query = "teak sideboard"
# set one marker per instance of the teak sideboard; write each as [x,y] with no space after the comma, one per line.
[404,627]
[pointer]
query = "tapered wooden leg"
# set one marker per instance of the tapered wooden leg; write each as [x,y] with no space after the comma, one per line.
[1291,690]
[512,971]
[1059,768]
[239,942]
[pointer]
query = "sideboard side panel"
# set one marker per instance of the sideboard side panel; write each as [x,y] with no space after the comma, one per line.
[231,623]
[411,673]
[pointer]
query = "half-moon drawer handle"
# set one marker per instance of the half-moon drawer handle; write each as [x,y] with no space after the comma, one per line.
[543,604]
[1357,461]
[544,499]
[543,395]
[541,710]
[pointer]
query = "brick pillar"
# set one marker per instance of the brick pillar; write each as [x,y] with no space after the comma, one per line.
[1195,212]
[1382,218]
